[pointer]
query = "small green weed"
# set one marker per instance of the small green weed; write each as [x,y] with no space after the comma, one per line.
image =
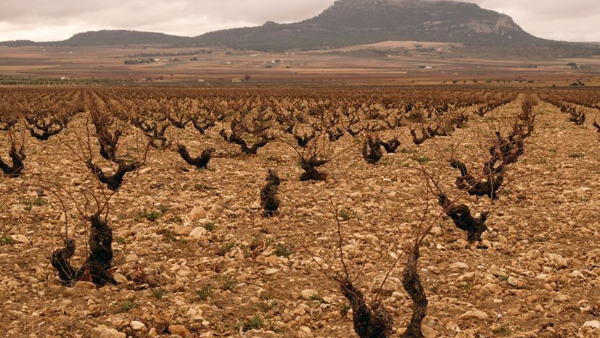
[120,240]
[203,187]
[421,159]
[5,240]
[344,310]
[266,304]
[38,202]
[225,248]
[157,293]
[153,215]
[282,250]
[127,306]
[209,226]
[204,293]
[317,298]
[467,287]
[345,215]
[228,284]
[502,330]
[254,323]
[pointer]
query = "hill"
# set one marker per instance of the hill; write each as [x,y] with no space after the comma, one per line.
[354,22]
[124,37]
[110,38]
[360,22]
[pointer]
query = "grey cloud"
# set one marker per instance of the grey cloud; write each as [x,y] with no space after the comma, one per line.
[59,19]
[573,20]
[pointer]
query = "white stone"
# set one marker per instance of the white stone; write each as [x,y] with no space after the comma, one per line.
[594,324]
[136,326]
[198,233]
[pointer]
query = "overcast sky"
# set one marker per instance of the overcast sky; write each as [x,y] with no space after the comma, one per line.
[47,20]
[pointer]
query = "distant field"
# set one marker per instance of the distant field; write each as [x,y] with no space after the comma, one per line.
[391,63]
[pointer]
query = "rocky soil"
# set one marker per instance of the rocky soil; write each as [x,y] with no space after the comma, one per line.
[195,258]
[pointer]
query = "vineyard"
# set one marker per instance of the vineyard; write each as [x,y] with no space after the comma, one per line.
[292,212]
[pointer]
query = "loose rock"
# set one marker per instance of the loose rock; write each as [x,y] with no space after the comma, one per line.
[476,314]
[103,331]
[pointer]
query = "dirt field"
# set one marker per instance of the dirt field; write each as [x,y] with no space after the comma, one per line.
[392,63]
[192,249]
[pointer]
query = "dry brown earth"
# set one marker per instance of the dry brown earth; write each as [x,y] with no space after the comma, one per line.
[536,279]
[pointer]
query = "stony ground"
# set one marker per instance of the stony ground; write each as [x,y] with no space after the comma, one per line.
[195,258]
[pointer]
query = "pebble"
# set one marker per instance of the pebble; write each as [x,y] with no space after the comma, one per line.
[137,326]
[271,271]
[108,171]
[512,281]
[476,314]
[582,192]
[308,294]
[459,266]
[184,272]
[182,230]
[120,278]
[180,330]
[20,239]
[558,260]
[197,213]
[103,331]
[305,331]
[428,332]
[198,233]
[467,277]
[490,288]
[594,324]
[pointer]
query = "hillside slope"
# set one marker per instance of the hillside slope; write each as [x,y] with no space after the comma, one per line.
[353,22]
